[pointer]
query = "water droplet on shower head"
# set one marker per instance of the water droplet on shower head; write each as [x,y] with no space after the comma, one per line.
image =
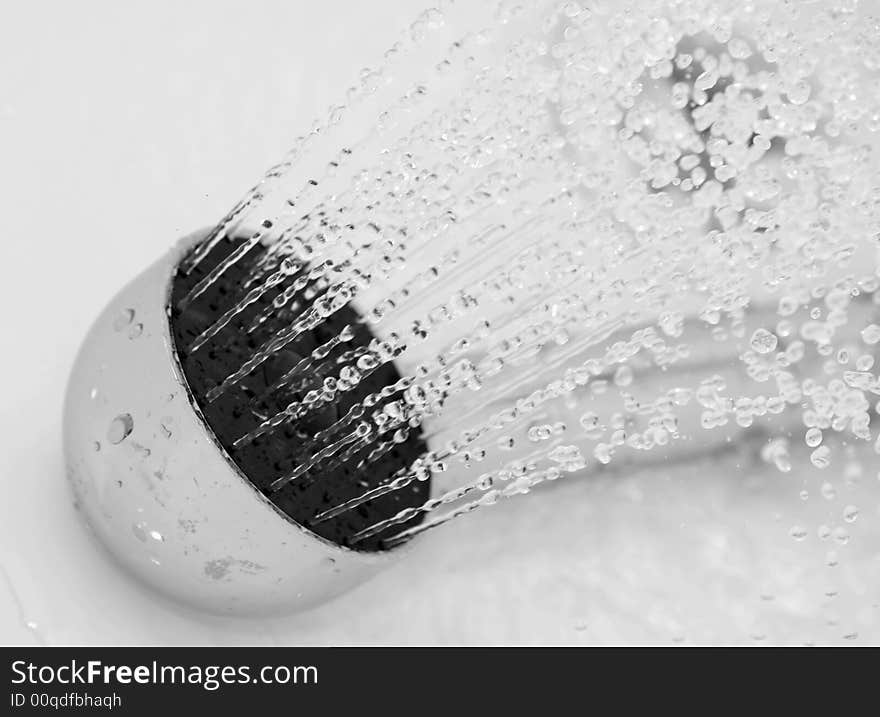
[123,319]
[120,428]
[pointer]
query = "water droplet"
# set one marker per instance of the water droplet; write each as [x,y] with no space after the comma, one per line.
[739,49]
[871,334]
[140,531]
[821,457]
[623,376]
[797,532]
[506,443]
[120,428]
[799,92]
[864,362]
[123,319]
[763,342]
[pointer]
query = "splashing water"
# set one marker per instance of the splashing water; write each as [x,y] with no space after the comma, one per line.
[582,234]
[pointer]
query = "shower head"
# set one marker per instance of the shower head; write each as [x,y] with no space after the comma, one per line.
[159,467]
[159,488]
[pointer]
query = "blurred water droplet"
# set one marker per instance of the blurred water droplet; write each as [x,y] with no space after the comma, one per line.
[840,535]
[140,531]
[763,342]
[871,334]
[821,457]
[798,532]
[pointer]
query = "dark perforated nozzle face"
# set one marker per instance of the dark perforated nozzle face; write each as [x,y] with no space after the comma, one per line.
[294,447]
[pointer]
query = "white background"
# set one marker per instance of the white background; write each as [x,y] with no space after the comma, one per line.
[126,125]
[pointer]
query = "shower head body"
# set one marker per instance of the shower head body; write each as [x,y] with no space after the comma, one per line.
[158,489]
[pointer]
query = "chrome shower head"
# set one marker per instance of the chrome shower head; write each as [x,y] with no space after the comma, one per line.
[156,470]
